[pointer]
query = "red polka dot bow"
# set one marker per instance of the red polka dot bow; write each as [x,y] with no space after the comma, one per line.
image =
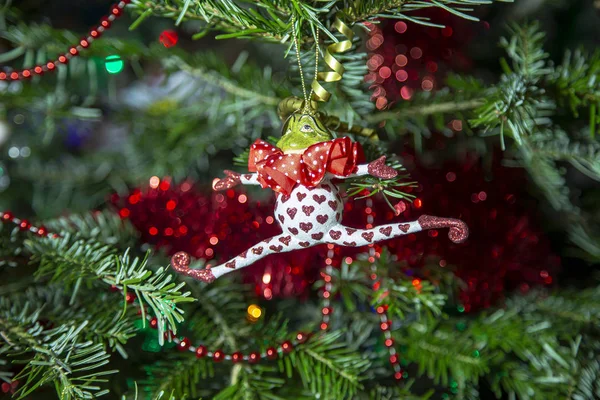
[282,172]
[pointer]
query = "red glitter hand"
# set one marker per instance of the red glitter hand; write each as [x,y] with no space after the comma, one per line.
[232,180]
[378,169]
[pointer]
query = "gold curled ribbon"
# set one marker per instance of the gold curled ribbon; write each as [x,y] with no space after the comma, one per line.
[319,93]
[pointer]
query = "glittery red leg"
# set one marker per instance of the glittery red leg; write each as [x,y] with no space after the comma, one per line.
[459,232]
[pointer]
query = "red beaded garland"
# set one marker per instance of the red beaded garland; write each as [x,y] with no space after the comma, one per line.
[115,11]
[237,357]
[218,356]
[301,337]
[271,353]
[154,323]
[201,351]
[24,225]
[287,346]
[253,358]
[184,344]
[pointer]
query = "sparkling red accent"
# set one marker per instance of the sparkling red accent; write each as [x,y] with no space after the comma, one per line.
[14,76]
[168,38]
[73,51]
[26,73]
[154,323]
[84,43]
[237,357]
[62,59]
[389,342]
[324,326]
[385,326]
[94,33]
[105,22]
[8,216]
[201,351]
[394,358]
[130,298]
[42,231]
[218,356]
[50,65]
[116,11]
[271,353]
[2,76]
[398,375]
[38,70]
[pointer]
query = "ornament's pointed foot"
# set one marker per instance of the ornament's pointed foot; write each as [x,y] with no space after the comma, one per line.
[181,262]
[459,231]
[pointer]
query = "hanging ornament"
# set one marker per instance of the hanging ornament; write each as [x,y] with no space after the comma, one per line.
[168,38]
[302,169]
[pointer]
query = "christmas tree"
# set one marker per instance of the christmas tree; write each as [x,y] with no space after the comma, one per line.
[133,267]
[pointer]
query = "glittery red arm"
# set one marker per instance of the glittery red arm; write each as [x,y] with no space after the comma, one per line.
[459,232]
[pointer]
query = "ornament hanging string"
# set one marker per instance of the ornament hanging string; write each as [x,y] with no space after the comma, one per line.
[318,93]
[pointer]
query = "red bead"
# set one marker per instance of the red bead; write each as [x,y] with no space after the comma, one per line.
[324,326]
[398,375]
[8,216]
[105,23]
[389,342]
[94,33]
[42,231]
[381,309]
[183,344]
[62,59]
[116,11]
[201,351]
[237,357]
[84,43]
[38,70]
[301,337]
[26,73]
[2,76]
[253,358]
[218,356]
[73,51]
[271,353]
[394,358]
[50,65]
[385,326]
[326,310]
[5,387]
[14,76]
[168,38]
[287,346]
[24,225]
[130,298]
[154,323]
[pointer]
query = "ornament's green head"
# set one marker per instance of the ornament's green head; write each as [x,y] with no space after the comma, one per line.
[302,131]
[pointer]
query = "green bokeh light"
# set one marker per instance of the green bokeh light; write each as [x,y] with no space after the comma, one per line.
[113,64]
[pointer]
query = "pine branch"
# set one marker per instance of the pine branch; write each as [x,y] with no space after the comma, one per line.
[327,366]
[58,355]
[75,262]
